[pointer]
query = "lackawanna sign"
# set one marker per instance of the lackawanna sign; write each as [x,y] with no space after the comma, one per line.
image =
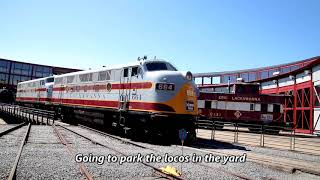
[240,98]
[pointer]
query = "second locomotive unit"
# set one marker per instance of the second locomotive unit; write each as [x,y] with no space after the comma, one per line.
[148,96]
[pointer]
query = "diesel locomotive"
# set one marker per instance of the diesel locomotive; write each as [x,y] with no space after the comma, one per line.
[148,96]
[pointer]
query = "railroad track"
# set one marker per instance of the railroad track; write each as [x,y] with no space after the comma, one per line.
[12,129]
[123,140]
[279,163]
[72,152]
[157,170]
[13,171]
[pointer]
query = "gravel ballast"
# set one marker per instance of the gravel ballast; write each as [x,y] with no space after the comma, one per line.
[9,145]
[44,157]
[199,170]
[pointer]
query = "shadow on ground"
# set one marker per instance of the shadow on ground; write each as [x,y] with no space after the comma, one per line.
[213,144]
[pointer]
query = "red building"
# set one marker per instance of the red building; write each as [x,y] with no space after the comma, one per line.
[300,79]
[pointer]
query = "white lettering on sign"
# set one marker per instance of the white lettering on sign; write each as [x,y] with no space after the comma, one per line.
[246,98]
[223,97]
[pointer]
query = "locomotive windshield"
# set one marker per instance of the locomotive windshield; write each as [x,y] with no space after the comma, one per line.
[160,66]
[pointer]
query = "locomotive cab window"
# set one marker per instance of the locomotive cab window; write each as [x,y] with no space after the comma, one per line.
[49,80]
[125,72]
[160,66]
[134,71]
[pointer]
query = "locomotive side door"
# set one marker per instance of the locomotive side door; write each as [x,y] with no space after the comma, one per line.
[49,88]
[61,91]
[38,91]
[49,92]
[124,89]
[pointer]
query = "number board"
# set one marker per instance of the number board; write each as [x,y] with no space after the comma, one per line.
[165,86]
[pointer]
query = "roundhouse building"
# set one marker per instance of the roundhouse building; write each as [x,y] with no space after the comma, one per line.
[12,72]
[300,79]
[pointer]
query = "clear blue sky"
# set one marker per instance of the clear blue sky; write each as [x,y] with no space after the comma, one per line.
[199,35]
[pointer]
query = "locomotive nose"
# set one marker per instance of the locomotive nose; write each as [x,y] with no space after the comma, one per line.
[179,91]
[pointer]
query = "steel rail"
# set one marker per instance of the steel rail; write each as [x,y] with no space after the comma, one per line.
[114,137]
[270,161]
[71,152]
[12,129]
[168,176]
[16,162]
[138,145]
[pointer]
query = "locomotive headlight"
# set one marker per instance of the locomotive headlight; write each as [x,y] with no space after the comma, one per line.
[189,76]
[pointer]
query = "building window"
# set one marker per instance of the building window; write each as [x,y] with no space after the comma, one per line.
[47,71]
[294,67]
[38,71]
[21,69]
[244,76]
[26,69]
[233,78]
[24,78]
[264,74]
[3,78]
[14,80]
[4,66]
[16,68]
[285,70]
[252,76]
[272,71]
[42,71]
